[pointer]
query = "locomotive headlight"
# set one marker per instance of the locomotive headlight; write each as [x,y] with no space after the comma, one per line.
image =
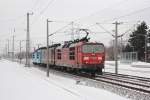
[99,58]
[85,58]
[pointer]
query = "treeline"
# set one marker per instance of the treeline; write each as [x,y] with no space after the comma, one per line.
[138,42]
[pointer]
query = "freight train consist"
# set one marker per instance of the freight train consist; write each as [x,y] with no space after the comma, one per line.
[77,55]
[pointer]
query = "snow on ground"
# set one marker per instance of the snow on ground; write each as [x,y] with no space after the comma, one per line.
[140,64]
[22,83]
[136,68]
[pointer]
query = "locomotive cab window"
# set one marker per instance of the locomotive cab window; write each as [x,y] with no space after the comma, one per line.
[96,48]
[72,53]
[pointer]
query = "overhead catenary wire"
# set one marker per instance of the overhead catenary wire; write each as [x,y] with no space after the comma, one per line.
[46,7]
[13,19]
[127,31]
[104,22]
[43,11]
[23,16]
[131,29]
[104,29]
[100,11]
[122,16]
[128,14]
[61,28]
[41,8]
[57,31]
[35,4]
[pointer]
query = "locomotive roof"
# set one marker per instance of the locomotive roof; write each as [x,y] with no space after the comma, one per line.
[51,46]
[59,46]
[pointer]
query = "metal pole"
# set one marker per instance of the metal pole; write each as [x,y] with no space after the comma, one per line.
[72,36]
[20,51]
[116,47]
[28,42]
[8,48]
[121,44]
[13,49]
[38,46]
[47,49]
[146,48]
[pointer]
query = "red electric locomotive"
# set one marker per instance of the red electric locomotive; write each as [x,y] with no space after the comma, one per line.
[77,55]
[81,55]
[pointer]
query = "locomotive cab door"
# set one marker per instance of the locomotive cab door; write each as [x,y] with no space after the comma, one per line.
[78,56]
[53,56]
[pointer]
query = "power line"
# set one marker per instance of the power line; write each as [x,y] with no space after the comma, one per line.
[35,4]
[49,3]
[99,12]
[2,35]
[14,19]
[43,10]
[129,14]
[61,28]
[104,29]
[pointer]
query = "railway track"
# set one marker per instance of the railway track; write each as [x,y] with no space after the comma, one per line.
[140,84]
[126,85]
[129,83]
[135,80]
[121,80]
[144,79]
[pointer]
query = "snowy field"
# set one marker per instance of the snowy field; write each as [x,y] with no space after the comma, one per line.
[21,83]
[136,68]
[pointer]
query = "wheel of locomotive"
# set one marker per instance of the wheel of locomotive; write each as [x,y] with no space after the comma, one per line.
[52,66]
[77,71]
[33,63]
[63,69]
[99,71]
[93,74]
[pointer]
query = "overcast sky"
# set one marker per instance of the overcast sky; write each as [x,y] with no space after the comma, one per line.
[84,13]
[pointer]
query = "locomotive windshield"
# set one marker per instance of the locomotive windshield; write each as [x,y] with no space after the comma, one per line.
[93,48]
